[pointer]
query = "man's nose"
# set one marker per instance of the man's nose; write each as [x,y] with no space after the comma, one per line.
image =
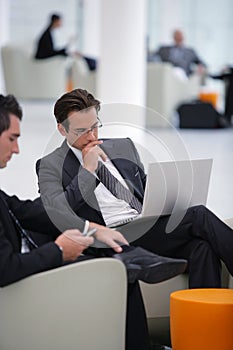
[91,134]
[15,148]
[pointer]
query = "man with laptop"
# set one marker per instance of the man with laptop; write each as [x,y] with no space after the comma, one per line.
[22,256]
[104,181]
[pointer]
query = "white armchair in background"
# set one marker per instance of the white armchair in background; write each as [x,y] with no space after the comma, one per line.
[82,77]
[78,306]
[28,78]
[166,88]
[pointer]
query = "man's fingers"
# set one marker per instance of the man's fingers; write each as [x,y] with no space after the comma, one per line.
[113,244]
[103,156]
[117,237]
[93,144]
[120,238]
[72,232]
[112,238]
[78,238]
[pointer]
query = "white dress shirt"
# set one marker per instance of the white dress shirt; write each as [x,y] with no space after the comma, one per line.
[115,211]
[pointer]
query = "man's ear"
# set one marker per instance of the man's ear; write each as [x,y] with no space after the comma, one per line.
[61,129]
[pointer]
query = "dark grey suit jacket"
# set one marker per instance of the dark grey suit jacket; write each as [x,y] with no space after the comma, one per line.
[66,185]
[186,58]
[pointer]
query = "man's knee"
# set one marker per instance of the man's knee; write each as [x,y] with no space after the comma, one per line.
[202,250]
[199,208]
[199,211]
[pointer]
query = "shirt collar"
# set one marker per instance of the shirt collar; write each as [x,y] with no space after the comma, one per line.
[76,152]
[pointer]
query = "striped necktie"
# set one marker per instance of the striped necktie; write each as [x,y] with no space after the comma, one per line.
[116,188]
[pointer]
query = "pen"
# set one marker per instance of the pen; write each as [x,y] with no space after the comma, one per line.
[90,232]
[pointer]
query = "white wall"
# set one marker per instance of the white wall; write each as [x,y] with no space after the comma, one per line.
[29,18]
[22,21]
[90,30]
[208,26]
[4,30]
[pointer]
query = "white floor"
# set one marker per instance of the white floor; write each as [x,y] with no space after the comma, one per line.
[38,128]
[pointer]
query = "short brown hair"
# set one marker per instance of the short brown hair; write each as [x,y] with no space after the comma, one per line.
[8,105]
[76,100]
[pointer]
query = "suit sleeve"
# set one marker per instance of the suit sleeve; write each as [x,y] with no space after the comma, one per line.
[196,59]
[14,266]
[45,47]
[80,191]
[63,201]
[32,215]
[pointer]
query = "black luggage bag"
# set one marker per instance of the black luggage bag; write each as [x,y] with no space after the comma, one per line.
[198,114]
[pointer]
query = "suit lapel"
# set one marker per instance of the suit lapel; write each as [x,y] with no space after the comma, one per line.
[70,169]
[120,157]
[10,231]
[71,164]
[116,156]
[116,151]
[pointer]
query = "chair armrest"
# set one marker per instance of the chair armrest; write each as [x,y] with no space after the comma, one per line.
[229,222]
[26,77]
[82,77]
[78,306]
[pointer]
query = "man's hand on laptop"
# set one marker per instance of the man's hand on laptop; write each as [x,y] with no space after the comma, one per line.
[112,238]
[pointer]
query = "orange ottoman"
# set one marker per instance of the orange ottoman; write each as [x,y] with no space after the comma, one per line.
[202,319]
[211,97]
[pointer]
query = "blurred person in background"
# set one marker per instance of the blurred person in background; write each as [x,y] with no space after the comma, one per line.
[179,55]
[46,48]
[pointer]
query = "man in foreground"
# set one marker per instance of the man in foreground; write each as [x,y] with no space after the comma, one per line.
[16,259]
[21,257]
[76,176]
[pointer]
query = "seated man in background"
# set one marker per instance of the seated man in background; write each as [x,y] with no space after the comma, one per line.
[45,44]
[179,55]
[104,181]
[21,257]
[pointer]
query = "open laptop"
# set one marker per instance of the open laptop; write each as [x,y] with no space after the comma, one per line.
[173,186]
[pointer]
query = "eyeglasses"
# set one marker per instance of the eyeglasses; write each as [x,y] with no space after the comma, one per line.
[83,131]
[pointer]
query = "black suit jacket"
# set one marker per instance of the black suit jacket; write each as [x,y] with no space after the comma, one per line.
[45,47]
[65,184]
[14,265]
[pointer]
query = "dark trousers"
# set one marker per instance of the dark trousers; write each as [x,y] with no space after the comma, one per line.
[228,80]
[201,238]
[229,97]
[92,63]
